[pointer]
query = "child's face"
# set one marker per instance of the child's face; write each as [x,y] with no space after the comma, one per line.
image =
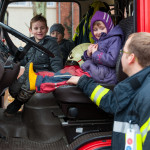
[98,28]
[58,35]
[38,30]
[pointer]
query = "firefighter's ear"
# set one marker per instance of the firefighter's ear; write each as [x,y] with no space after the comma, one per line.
[131,58]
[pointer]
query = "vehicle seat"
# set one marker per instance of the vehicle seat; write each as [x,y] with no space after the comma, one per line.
[127,26]
[75,104]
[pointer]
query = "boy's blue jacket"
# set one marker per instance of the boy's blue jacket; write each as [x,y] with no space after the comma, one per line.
[129,102]
[41,61]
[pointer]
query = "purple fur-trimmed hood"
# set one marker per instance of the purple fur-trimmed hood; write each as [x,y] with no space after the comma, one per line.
[105,18]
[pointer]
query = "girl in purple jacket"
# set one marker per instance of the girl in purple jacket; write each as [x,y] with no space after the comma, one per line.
[101,57]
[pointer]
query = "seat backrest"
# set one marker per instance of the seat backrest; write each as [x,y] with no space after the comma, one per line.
[127,26]
[119,72]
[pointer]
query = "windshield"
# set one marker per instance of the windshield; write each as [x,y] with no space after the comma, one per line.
[20,14]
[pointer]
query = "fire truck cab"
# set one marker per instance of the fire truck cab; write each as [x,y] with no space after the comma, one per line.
[65,119]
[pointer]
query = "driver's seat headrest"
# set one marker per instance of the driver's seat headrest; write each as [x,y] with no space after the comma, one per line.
[119,72]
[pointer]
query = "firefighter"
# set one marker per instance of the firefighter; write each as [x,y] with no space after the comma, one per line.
[129,102]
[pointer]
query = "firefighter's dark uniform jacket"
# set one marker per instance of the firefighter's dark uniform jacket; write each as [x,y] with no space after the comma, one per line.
[129,102]
[41,61]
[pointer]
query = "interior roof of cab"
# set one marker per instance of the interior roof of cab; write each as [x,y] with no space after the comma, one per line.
[84,7]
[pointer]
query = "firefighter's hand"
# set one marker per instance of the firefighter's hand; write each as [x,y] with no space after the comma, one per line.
[73,80]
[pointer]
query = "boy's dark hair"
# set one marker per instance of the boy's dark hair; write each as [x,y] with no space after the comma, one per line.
[36,18]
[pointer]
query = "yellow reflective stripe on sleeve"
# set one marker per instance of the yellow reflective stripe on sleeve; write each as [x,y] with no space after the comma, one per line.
[138,142]
[95,91]
[144,129]
[98,93]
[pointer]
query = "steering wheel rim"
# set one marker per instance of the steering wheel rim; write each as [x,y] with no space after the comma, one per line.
[25,39]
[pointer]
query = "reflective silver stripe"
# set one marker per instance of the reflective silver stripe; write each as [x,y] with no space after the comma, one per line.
[62,76]
[98,93]
[122,127]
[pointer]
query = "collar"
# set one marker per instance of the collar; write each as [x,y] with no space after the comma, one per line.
[136,80]
[128,87]
[101,37]
[41,42]
[126,90]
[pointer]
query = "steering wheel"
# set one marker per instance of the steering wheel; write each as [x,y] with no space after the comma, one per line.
[30,43]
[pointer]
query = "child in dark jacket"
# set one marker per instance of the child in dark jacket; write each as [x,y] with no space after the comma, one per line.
[42,62]
[57,31]
[100,57]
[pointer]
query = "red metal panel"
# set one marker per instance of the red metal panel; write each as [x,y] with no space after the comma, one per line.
[143,15]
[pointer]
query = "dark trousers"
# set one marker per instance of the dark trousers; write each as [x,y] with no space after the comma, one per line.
[15,88]
[19,91]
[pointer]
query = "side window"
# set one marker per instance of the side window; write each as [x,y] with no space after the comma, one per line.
[66,13]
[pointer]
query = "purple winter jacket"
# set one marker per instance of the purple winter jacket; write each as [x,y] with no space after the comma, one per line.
[101,65]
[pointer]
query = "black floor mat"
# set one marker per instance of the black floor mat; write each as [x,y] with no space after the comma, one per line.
[24,144]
